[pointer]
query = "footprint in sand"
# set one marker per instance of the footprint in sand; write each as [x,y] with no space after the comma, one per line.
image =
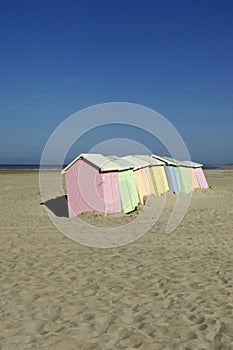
[203,327]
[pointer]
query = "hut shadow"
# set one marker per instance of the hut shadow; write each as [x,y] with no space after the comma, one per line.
[58,206]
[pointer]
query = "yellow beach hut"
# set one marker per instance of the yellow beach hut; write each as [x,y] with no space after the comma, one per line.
[157,172]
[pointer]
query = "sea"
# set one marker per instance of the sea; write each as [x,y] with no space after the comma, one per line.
[28,167]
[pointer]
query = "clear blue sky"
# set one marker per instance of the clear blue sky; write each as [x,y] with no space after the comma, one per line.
[58,57]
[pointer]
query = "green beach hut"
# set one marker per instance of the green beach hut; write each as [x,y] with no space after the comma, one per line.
[127,185]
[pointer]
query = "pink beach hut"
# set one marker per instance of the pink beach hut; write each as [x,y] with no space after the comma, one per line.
[92,184]
[197,174]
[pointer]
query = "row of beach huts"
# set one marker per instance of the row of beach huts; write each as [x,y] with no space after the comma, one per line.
[110,184]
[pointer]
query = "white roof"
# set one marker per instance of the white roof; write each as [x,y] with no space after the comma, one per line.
[175,161]
[185,163]
[124,164]
[164,159]
[151,160]
[138,163]
[191,164]
[100,161]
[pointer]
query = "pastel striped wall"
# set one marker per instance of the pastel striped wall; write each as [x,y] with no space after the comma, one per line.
[201,178]
[89,190]
[84,190]
[176,178]
[128,191]
[142,184]
[195,183]
[111,192]
[164,179]
[185,179]
[172,178]
[159,179]
[149,181]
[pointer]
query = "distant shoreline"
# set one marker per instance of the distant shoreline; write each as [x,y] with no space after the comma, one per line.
[224,166]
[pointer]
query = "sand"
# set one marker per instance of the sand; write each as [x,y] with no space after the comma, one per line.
[163,291]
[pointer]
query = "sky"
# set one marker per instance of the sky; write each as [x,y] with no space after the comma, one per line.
[59,57]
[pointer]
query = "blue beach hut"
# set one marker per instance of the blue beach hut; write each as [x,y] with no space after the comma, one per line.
[172,174]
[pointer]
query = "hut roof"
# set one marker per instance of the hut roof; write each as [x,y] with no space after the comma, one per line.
[191,164]
[185,163]
[124,164]
[103,163]
[137,162]
[149,159]
[164,160]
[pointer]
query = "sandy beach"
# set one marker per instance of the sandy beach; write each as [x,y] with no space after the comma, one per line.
[163,291]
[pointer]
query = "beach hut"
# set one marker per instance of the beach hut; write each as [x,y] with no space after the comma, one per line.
[142,176]
[171,174]
[184,175]
[197,174]
[127,186]
[92,184]
[194,180]
[157,174]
